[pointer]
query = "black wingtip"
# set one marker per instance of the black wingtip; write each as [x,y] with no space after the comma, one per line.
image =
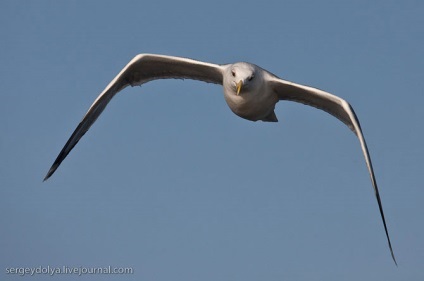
[46,177]
[50,172]
[393,257]
[391,252]
[380,206]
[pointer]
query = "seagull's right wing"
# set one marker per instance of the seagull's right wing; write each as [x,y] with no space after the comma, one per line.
[141,69]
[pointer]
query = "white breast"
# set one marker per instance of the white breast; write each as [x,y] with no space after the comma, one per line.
[255,101]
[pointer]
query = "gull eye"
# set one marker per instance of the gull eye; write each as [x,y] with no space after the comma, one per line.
[250,77]
[233,73]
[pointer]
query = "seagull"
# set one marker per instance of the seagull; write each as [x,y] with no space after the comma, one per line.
[250,91]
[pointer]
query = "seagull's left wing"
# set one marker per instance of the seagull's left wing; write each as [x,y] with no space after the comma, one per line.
[141,69]
[337,107]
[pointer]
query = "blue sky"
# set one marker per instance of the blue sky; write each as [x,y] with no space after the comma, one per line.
[170,182]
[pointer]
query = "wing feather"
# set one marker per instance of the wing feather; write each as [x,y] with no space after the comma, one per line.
[141,69]
[340,109]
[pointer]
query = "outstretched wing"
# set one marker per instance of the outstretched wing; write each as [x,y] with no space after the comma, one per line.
[141,69]
[340,109]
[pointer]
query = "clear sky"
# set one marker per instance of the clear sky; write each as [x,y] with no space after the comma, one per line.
[171,183]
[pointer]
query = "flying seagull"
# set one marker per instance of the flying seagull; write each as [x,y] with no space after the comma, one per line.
[250,91]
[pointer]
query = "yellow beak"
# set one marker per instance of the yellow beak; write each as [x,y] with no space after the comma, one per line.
[238,86]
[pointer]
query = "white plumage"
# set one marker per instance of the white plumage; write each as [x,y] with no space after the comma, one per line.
[250,91]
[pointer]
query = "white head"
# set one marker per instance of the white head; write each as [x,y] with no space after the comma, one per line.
[248,93]
[241,77]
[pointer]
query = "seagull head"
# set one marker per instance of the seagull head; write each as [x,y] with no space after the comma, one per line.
[242,77]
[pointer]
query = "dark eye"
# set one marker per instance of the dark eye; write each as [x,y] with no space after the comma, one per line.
[250,77]
[233,73]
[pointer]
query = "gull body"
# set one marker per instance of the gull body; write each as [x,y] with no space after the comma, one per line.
[250,91]
[253,100]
